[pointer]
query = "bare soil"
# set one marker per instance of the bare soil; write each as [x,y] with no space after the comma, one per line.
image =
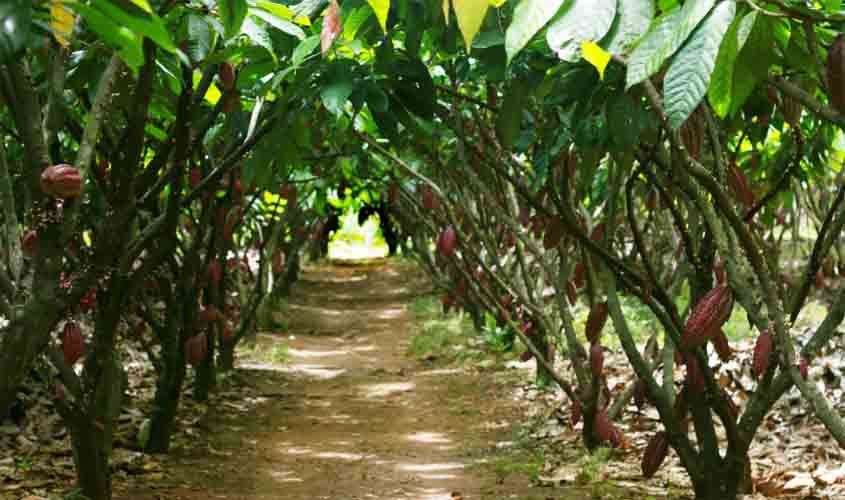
[351,415]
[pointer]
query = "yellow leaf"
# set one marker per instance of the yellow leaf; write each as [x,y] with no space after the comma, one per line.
[61,20]
[497,3]
[144,5]
[447,5]
[596,56]
[470,14]
[381,8]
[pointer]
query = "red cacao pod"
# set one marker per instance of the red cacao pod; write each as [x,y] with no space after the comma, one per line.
[654,454]
[762,352]
[595,321]
[278,262]
[708,315]
[29,243]
[89,300]
[73,344]
[640,393]
[579,275]
[596,359]
[447,242]
[553,234]
[427,195]
[393,194]
[836,73]
[575,413]
[227,76]
[196,349]
[738,183]
[721,345]
[227,335]
[213,273]
[692,134]
[194,177]
[604,428]
[804,367]
[695,375]
[61,181]
[60,393]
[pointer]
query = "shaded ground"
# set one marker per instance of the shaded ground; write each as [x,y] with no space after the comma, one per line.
[350,415]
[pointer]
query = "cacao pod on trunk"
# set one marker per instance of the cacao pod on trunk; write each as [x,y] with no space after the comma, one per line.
[29,243]
[214,274]
[553,234]
[804,367]
[73,344]
[196,348]
[708,315]
[61,181]
[836,73]
[427,195]
[739,185]
[227,76]
[654,454]
[762,352]
[575,413]
[695,375]
[595,321]
[596,359]
[447,242]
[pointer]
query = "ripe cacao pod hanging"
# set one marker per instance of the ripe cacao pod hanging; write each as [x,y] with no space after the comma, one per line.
[73,344]
[640,393]
[214,273]
[447,242]
[654,454]
[739,185]
[836,73]
[553,234]
[692,134]
[29,243]
[721,345]
[708,315]
[695,375]
[427,196]
[595,321]
[579,275]
[196,349]
[604,428]
[596,359]
[762,352]
[278,261]
[227,76]
[804,367]
[61,181]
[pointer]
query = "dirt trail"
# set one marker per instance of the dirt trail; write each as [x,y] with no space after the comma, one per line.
[352,416]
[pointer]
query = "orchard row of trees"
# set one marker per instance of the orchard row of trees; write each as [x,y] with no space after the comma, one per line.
[165,163]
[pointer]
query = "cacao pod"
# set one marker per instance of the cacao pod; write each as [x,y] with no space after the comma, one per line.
[804,367]
[427,195]
[73,344]
[579,276]
[692,134]
[791,109]
[89,300]
[227,335]
[60,394]
[652,201]
[29,243]
[836,73]
[828,266]
[575,413]
[553,234]
[194,177]
[213,273]
[595,321]
[762,352]
[61,181]
[278,262]
[227,76]
[721,345]
[695,376]
[640,393]
[708,315]
[596,359]
[739,185]
[447,242]
[604,428]
[393,194]
[820,283]
[571,292]
[654,454]
[196,348]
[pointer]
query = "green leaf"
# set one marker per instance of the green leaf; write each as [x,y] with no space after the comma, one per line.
[689,73]
[304,49]
[529,17]
[666,35]
[15,23]
[510,116]
[280,23]
[258,35]
[141,23]
[200,37]
[335,94]
[381,8]
[580,21]
[753,61]
[122,38]
[232,14]
[470,14]
[633,17]
[721,83]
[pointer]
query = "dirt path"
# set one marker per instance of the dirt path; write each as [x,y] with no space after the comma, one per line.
[351,416]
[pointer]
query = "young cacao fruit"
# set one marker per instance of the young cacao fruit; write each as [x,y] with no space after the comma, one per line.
[596,359]
[447,242]
[654,454]
[196,348]
[595,321]
[227,76]
[708,315]
[762,352]
[836,73]
[721,345]
[73,344]
[61,181]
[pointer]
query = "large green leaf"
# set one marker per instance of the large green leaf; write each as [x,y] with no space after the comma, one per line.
[510,116]
[232,14]
[15,23]
[257,34]
[336,93]
[128,44]
[381,8]
[200,37]
[139,21]
[721,83]
[753,61]
[304,49]
[529,17]
[579,21]
[666,35]
[633,17]
[280,23]
[689,73]
[470,14]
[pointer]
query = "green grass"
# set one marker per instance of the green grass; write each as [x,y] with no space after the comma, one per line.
[264,315]
[438,335]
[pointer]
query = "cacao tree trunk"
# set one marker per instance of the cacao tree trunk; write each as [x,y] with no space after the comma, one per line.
[169,384]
